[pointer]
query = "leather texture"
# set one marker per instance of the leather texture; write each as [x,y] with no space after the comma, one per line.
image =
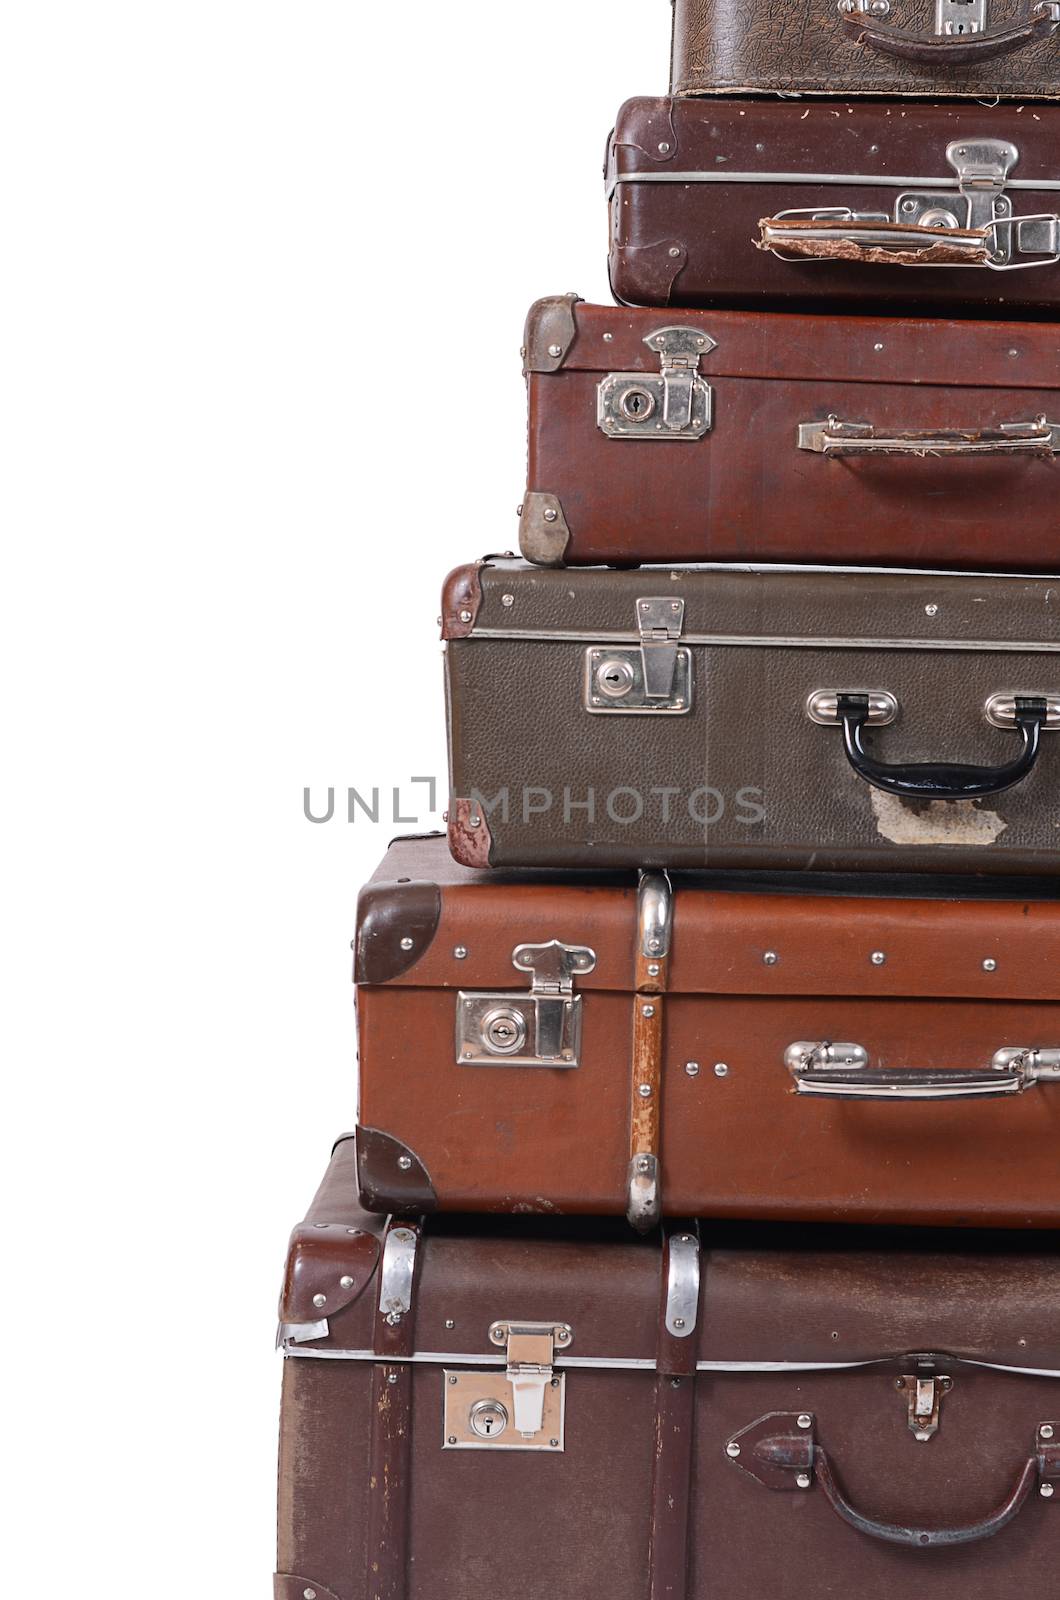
[395,925]
[746,492]
[692,244]
[961,978]
[745,778]
[808,47]
[854,1314]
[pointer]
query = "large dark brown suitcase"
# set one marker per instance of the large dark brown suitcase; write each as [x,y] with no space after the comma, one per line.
[836,207]
[672,1047]
[763,718]
[534,1413]
[747,436]
[939,49]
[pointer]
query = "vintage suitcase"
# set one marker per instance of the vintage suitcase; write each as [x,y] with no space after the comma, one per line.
[837,207]
[744,436]
[534,1412]
[761,718]
[948,49]
[669,1047]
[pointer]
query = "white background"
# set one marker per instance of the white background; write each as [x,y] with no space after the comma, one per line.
[265,269]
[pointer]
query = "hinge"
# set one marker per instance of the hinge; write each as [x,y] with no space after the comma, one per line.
[519,1409]
[654,679]
[678,404]
[924,1390]
[539,1027]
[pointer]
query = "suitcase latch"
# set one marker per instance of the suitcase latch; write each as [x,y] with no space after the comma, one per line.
[521,1408]
[539,1027]
[654,679]
[677,404]
[924,1390]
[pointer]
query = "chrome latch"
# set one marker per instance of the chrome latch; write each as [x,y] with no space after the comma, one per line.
[678,404]
[956,17]
[521,1408]
[924,1390]
[652,679]
[539,1027]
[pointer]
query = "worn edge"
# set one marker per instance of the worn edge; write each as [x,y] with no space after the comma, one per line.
[470,840]
[543,538]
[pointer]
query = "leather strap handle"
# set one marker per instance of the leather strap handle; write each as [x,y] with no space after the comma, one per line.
[872,242]
[940,780]
[944,51]
[926,1538]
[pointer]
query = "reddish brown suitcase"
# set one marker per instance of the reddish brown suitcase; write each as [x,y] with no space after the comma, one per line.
[530,1412]
[583,1046]
[745,436]
[952,49]
[836,207]
[761,718]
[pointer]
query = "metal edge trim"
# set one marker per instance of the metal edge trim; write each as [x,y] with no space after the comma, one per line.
[452,1358]
[773,641]
[833,179]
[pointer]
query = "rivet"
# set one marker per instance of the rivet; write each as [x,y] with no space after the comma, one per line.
[674,251]
[879,957]
[1013,352]
[394,1318]
[877,347]
[465,616]
[644,1164]
[460,952]
[452,1380]
[1047,1491]
[346,1282]
[805,1420]
[406,943]
[449,1322]
[551,515]
[653,969]
[555,350]
[608,337]
[647,1011]
[679,1322]
[320,1300]
[803,1480]
[931,611]
[353,1230]
[474,822]
[732,1449]
[989,965]
[721,1069]
[664,148]
[1047,1431]
[404,1162]
[770,958]
[645,1091]
[554,1443]
[507,599]
[452,1438]
[692,1068]
[563,1336]
[309,1594]
[654,945]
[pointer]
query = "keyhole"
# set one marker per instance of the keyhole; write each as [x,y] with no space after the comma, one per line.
[636,404]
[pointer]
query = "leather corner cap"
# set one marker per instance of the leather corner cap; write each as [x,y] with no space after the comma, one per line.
[285,1587]
[461,599]
[396,923]
[391,1177]
[469,834]
[550,332]
[329,1265]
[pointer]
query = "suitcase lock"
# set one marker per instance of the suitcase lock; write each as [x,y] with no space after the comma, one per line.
[654,678]
[521,1408]
[675,404]
[539,1027]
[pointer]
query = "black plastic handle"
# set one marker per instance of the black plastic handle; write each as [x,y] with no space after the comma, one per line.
[940,780]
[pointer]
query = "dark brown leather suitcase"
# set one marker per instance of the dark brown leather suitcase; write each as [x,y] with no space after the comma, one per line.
[671,1047]
[770,718]
[952,49]
[528,1412]
[836,207]
[745,436]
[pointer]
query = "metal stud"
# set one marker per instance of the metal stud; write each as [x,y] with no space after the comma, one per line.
[879,957]
[692,1068]
[931,611]
[805,1420]
[554,1443]
[653,969]
[320,1300]
[732,1449]
[647,1011]
[392,1377]
[346,1282]
[771,958]
[679,1322]
[555,351]
[664,148]
[452,1377]
[507,599]
[309,1594]
[645,1091]
[674,251]
[803,1480]
[608,338]
[465,616]
[989,965]
[721,1069]
[644,1164]
[393,1319]
[404,1162]
[1047,1491]
[452,1438]
[406,943]
[460,953]
[551,515]
[1046,1430]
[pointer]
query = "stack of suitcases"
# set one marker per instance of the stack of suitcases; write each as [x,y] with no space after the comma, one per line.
[694,1241]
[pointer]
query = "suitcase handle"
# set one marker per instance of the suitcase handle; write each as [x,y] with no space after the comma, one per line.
[834,437]
[949,50]
[841,1072]
[780,1452]
[931,780]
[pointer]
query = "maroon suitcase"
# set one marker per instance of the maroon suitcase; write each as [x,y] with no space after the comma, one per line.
[524,1412]
[836,207]
[745,436]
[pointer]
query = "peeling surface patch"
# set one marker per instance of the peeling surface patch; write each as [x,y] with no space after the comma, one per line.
[961,822]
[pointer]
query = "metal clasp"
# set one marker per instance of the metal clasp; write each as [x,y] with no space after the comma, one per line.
[956,17]
[924,1390]
[656,678]
[536,1028]
[531,1349]
[520,1409]
[678,404]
